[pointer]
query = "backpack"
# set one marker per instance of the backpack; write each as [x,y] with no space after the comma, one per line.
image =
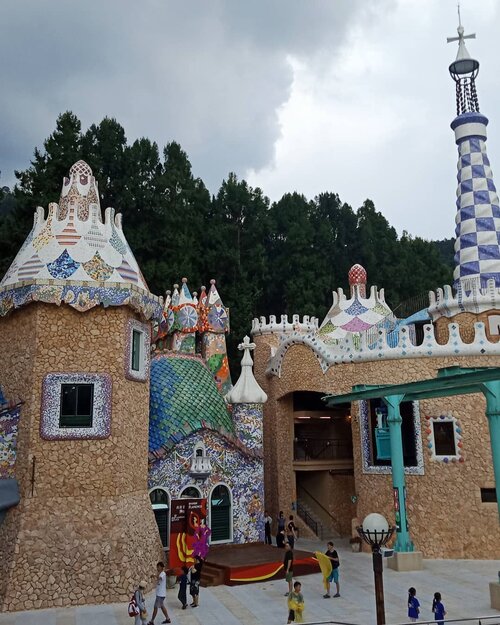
[133,608]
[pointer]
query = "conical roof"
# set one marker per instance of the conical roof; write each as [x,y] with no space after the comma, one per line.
[75,257]
[247,389]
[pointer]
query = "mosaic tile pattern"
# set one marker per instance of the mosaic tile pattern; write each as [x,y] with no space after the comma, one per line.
[241,473]
[74,247]
[366,458]
[9,420]
[51,401]
[477,249]
[81,297]
[248,420]
[457,429]
[183,398]
[143,374]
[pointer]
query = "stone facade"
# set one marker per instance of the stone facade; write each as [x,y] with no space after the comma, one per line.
[446,516]
[84,531]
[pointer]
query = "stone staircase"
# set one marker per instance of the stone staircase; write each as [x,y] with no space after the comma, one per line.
[321,525]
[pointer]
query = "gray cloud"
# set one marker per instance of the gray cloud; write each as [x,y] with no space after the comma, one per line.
[211,75]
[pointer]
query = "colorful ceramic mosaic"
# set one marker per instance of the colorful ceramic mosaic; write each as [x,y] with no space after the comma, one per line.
[142,374]
[214,352]
[51,406]
[242,474]
[183,398]
[366,442]
[358,313]
[9,420]
[248,424]
[81,297]
[74,247]
[477,248]
[456,428]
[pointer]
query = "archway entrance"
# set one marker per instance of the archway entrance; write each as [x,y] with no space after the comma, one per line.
[220,514]
[160,502]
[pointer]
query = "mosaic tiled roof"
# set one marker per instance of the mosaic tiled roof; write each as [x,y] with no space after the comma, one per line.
[358,313]
[74,247]
[183,398]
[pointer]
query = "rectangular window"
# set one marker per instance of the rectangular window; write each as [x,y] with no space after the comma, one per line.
[136,350]
[488,495]
[444,438]
[407,433]
[77,406]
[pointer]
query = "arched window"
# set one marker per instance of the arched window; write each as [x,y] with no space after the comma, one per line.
[192,492]
[221,514]
[160,502]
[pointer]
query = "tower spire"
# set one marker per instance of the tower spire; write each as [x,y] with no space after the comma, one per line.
[477,249]
[464,71]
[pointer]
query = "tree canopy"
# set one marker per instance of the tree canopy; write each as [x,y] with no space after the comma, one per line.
[268,258]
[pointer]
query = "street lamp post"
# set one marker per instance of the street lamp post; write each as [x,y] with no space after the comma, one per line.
[376,532]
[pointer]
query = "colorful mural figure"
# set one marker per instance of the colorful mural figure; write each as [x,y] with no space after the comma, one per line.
[202,536]
[186,536]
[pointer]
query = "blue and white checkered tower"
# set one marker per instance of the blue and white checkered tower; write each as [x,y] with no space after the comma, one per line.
[477,244]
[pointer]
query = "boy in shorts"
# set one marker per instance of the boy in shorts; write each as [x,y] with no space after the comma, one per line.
[288,566]
[334,575]
[295,604]
[161,593]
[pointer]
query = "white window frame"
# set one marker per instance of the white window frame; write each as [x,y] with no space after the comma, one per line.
[142,374]
[231,518]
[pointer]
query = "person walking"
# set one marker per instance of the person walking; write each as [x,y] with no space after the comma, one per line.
[438,609]
[268,521]
[291,532]
[295,604]
[281,521]
[413,605]
[332,554]
[194,581]
[288,567]
[140,602]
[161,593]
[183,582]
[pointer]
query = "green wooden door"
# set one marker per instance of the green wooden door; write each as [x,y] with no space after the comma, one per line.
[220,514]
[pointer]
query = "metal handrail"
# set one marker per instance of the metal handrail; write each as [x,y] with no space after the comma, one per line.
[309,520]
[316,448]
[318,503]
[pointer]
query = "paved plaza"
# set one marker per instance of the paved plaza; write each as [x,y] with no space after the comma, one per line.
[462,583]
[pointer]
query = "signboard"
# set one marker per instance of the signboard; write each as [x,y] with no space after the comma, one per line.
[187,517]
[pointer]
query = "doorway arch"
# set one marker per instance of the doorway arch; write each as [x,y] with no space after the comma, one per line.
[192,492]
[221,514]
[160,502]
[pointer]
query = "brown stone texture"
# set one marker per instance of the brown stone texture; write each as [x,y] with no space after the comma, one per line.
[84,531]
[466,323]
[445,513]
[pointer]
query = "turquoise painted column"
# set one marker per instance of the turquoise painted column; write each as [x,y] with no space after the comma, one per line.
[394,420]
[491,391]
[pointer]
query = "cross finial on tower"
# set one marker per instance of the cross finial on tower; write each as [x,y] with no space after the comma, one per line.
[461,36]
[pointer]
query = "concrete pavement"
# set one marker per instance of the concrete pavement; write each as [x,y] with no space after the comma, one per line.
[462,583]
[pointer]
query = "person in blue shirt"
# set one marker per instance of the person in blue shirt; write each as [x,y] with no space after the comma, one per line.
[438,608]
[413,604]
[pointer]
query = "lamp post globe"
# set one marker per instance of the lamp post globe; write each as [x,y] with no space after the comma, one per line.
[375,522]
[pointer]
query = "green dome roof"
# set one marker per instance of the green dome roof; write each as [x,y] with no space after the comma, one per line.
[183,398]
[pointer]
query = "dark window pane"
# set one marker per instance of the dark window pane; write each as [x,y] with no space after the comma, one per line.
[77,403]
[136,350]
[68,400]
[191,492]
[444,438]
[488,495]
[158,496]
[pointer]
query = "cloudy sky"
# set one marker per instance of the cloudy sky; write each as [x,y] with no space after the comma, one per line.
[350,96]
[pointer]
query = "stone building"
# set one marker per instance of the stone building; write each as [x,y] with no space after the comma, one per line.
[332,463]
[75,334]
[202,444]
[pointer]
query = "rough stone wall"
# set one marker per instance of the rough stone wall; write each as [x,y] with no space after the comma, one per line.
[84,530]
[435,498]
[466,323]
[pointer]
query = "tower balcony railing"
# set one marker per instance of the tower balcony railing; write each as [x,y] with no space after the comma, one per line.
[322,449]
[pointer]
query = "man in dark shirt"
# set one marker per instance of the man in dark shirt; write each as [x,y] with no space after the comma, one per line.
[291,533]
[288,567]
[334,575]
